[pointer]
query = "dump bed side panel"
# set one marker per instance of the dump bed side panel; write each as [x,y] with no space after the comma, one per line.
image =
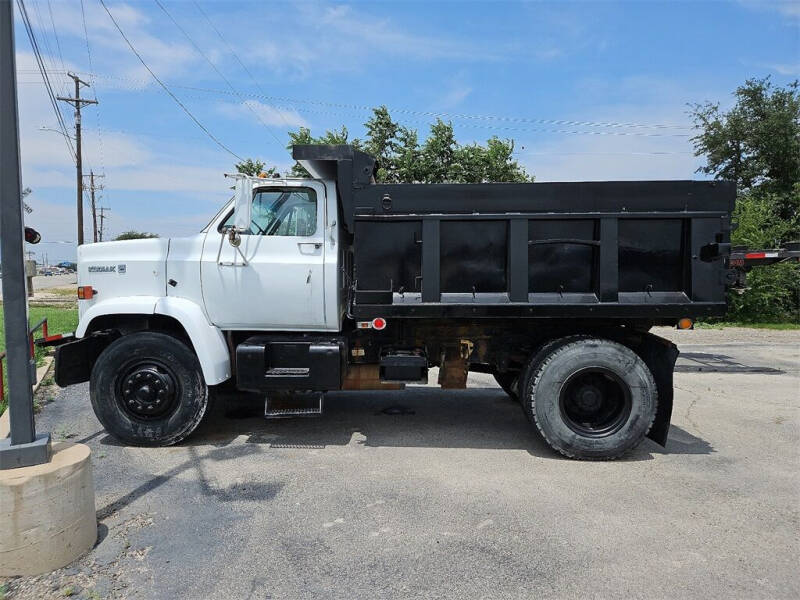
[607,249]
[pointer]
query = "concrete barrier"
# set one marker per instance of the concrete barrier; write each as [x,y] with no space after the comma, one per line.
[47,512]
[41,373]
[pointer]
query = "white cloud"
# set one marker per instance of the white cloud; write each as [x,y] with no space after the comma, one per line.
[56,223]
[784,69]
[579,158]
[787,8]
[110,52]
[256,111]
[639,153]
[337,38]
[455,96]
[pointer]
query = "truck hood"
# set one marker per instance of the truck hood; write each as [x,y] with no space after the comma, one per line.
[124,268]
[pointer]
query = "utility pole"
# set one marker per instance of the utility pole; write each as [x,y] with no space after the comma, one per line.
[92,188]
[25,447]
[78,102]
[103,218]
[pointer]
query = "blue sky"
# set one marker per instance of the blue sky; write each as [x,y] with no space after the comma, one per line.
[588,90]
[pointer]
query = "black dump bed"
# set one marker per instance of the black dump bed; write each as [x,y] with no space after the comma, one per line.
[649,250]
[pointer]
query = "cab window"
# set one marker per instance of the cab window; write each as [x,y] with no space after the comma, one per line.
[282,211]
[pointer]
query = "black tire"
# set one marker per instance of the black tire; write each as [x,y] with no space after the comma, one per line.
[147,389]
[590,398]
[508,381]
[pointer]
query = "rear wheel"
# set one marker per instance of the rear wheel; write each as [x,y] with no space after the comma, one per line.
[590,398]
[508,381]
[147,389]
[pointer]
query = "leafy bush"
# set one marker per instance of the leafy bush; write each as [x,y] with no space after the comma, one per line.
[757,144]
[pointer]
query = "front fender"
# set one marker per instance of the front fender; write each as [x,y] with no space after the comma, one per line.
[207,340]
[131,305]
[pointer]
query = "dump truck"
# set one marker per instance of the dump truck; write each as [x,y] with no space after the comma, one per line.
[301,286]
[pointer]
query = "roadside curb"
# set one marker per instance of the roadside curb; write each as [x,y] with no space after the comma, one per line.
[41,373]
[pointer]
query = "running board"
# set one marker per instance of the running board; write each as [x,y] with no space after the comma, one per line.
[283,405]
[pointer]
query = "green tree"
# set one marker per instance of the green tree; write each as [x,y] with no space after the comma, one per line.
[255,167]
[438,154]
[303,136]
[756,143]
[440,159]
[135,235]
[382,142]
[408,161]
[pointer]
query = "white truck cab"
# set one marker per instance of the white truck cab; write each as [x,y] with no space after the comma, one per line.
[282,275]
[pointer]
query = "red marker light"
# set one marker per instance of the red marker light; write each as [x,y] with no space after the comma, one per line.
[379,323]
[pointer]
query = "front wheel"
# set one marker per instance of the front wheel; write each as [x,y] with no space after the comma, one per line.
[590,398]
[147,389]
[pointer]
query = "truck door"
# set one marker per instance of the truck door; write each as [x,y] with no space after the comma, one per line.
[274,279]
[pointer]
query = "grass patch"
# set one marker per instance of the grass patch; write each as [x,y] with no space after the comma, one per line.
[724,324]
[67,292]
[59,320]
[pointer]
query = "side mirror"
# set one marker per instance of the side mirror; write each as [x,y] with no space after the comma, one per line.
[242,206]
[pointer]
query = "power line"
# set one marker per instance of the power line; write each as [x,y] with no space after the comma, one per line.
[93,87]
[55,34]
[43,29]
[471,125]
[164,86]
[220,73]
[235,55]
[44,72]
[429,114]
[86,38]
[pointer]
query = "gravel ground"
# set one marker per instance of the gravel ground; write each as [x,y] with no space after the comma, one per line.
[729,335]
[451,495]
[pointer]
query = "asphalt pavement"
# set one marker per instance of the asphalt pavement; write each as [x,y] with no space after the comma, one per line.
[433,494]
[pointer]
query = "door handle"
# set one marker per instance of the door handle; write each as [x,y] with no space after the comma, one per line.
[317,245]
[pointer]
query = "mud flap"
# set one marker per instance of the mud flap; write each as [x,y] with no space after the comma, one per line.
[74,360]
[660,355]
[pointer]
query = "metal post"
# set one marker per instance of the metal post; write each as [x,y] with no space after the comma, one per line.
[103,218]
[94,210]
[78,102]
[92,189]
[79,158]
[24,447]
